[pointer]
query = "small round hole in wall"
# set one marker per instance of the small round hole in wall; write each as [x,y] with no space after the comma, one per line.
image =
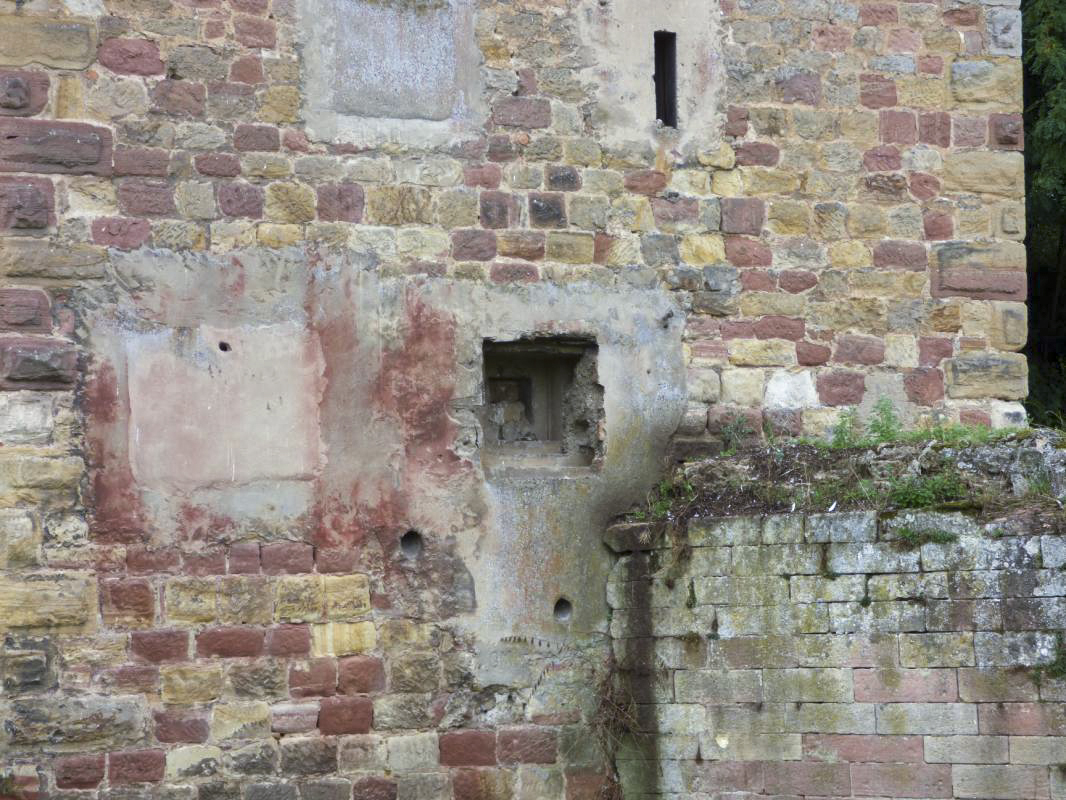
[564,609]
[411,544]
[224,347]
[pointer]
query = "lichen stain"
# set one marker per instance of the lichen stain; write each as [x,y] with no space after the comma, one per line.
[115,509]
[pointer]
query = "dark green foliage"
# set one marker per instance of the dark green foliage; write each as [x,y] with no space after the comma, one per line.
[926,491]
[912,539]
[1056,670]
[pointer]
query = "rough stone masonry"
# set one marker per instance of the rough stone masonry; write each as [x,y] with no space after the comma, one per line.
[254,541]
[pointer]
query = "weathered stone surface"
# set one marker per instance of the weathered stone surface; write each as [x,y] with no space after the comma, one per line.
[47,599]
[58,723]
[1003,375]
[57,147]
[26,204]
[63,43]
[987,173]
[22,93]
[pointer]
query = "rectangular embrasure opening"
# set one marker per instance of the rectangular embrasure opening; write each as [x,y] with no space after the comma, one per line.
[666,78]
[542,399]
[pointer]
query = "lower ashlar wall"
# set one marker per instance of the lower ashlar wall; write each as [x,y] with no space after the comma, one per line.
[822,656]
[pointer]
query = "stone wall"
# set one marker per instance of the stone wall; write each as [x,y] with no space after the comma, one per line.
[242,323]
[823,655]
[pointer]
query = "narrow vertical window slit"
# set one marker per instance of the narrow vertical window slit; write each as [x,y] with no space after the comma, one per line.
[666,78]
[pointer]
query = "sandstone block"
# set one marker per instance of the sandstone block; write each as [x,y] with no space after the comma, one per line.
[1006,782]
[199,683]
[939,719]
[58,723]
[978,375]
[997,173]
[343,638]
[62,43]
[240,721]
[22,93]
[290,202]
[347,597]
[46,599]
[986,84]
[73,148]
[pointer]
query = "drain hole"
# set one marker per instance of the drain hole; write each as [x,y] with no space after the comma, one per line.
[224,347]
[564,609]
[411,544]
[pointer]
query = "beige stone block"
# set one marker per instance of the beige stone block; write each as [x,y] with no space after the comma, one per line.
[758,304]
[170,234]
[987,84]
[70,97]
[849,254]
[702,249]
[226,236]
[721,157]
[299,598]
[866,221]
[347,597]
[727,183]
[87,194]
[1009,328]
[185,684]
[984,172]
[270,234]
[47,600]
[59,42]
[343,638]
[240,721]
[196,200]
[789,218]
[922,92]
[245,600]
[399,205]
[193,761]
[20,539]
[422,243]
[743,387]
[190,600]
[280,104]
[762,352]
[987,375]
[571,248]
[764,180]
[901,350]
[271,166]
[290,202]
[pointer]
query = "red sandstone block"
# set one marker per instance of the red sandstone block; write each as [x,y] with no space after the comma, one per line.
[969,131]
[801,87]
[239,199]
[924,385]
[743,215]
[601,247]
[982,284]
[583,784]
[360,675]
[218,165]
[160,645]
[964,16]
[513,272]
[853,349]
[247,69]
[526,746]
[127,602]
[179,98]
[26,204]
[898,127]
[745,252]
[905,686]
[145,198]
[834,38]
[136,766]
[372,788]
[871,748]
[249,6]
[120,232]
[841,388]
[877,91]
[761,154]
[39,145]
[795,281]
[809,354]
[339,715]
[174,726]
[343,559]
[314,678]
[468,748]
[25,310]
[142,560]
[924,186]
[255,32]
[974,416]
[25,92]
[522,112]
[645,181]
[905,255]
[341,202]
[878,14]
[934,349]
[41,364]
[289,640]
[485,176]
[501,148]
[983,685]
[758,280]
[211,562]
[885,158]
[287,558]
[938,225]
[808,778]
[1022,719]
[904,40]
[935,128]
[524,245]
[230,642]
[931,65]
[131,678]
[131,56]
[498,209]
[256,137]
[901,780]
[79,772]
[1006,131]
[737,329]
[778,327]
